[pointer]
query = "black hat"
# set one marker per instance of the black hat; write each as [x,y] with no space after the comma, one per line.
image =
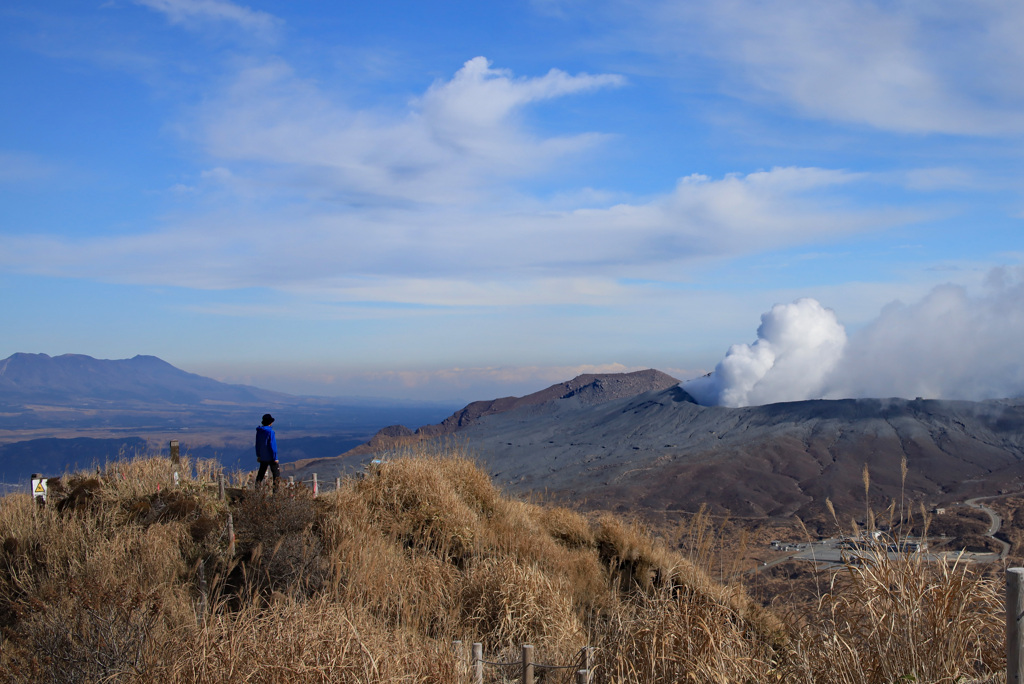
[267,419]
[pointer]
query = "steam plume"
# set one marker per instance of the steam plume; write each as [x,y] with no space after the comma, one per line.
[949,345]
[798,345]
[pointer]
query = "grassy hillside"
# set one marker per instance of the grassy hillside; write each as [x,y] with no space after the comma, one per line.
[127,578]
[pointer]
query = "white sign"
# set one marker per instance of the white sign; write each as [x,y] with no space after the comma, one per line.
[39,488]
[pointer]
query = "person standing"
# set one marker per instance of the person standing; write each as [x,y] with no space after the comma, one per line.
[266,450]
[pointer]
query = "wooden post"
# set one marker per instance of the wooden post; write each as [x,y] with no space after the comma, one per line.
[337,484]
[1014,636]
[175,454]
[231,535]
[457,650]
[220,486]
[291,480]
[478,663]
[588,659]
[316,486]
[201,571]
[582,677]
[527,664]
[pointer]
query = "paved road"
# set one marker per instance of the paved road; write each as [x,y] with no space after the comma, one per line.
[996,521]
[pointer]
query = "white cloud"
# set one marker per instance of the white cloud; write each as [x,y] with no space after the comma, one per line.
[410,214]
[446,147]
[193,12]
[908,66]
[456,256]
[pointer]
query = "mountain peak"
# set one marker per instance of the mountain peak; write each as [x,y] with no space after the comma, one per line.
[588,389]
[76,378]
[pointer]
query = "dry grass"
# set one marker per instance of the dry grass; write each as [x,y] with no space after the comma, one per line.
[129,579]
[899,618]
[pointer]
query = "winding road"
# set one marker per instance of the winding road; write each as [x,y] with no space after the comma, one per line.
[829,551]
[996,521]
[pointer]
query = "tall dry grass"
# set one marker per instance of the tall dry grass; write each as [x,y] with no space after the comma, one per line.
[127,578]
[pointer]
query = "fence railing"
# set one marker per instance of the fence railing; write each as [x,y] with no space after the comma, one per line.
[526,666]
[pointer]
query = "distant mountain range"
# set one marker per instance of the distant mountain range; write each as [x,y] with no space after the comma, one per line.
[657,450]
[80,381]
[73,410]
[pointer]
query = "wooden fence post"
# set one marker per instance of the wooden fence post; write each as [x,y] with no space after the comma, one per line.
[527,664]
[291,480]
[220,487]
[316,485]
[457,650]
[1014,636]
[231,535]
[175,453]
[337,484]
[201,571]
[478,663]
[588,659]
[582,677]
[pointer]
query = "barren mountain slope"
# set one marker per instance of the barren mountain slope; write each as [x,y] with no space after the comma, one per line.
[662,451]
[587,389]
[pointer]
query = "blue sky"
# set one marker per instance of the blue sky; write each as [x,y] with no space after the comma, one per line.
[460,200]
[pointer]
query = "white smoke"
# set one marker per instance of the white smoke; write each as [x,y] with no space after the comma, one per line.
[949,345]
[798,346]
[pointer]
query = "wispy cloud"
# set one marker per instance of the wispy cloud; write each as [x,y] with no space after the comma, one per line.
[19,167]
[905,66]
[445,147]
[458,384]
[508,375]
[193,13]
[948,178]
[457,256]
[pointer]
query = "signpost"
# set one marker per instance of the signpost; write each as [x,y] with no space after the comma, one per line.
[39,489]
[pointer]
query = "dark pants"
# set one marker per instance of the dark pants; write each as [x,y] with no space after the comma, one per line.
[274,470]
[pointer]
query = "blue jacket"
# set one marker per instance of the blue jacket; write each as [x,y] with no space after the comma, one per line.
[266,444]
